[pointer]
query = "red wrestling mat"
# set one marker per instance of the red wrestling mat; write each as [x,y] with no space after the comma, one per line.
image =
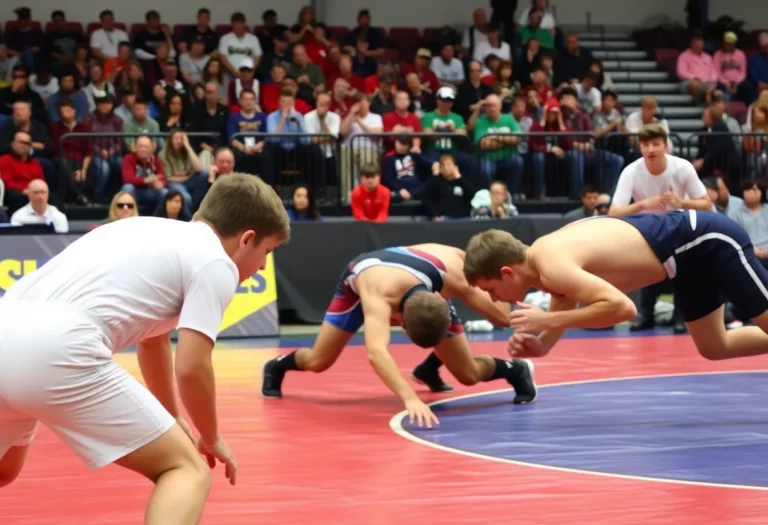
[326,455]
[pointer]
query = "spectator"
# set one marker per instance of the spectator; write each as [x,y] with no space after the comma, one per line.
[346,72]
[25,39]
[696,71]
[531,57]
[448,194]
[125,109]
[183,170]
[214,72]
[104,41]
[604,82]
[406,173]
[19,91]
[115,65]
[38,211]
[494,203]
[603,204]
[472,92]
[174,116]
[341,101]
[173,207]
[383,101]
[40,150]
[97,86]
[303,31]
[547,15]
[7,64]
[364,65]
[270,31]
[385,70]
[588,206]
[445,122]
[17,170]
[447,68]
[357,151]
[317,46]
[146,40]
[246,81]
[73,156]
[303,205]
[81,64]
[210,116]
[107,157]
[572,62]
[551,147]
[496,135]
[492,66]
[494,45]
[140,124]
[584,154]
[475,34]
[756,147]
[752,215]
[718,107]
[370,200]
[403,121]
[247,149]
[757,67]
[223,164]
[523,120]
[505,86]
[287,120]
[43,82]
[192,63]
[331,64]
[364,31]
[533,30]
[730,66]
[588,94]
[200,32]
[540,85]
[302,106]
[59,42]
[67,91]
[422,101]
[239,42]
[143,174]
[646,115]
[716,151]
[123,205]
[308,76]
[170,82]
[761,102]
[323,121]
[420,66]
[279,54]
[132,78]
[610,120]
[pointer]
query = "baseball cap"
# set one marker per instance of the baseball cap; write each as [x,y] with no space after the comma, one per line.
[424,53]
[445,93]
[246,63]
[730,37]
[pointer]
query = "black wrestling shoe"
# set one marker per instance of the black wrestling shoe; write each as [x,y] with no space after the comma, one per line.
[272,383]
[524,383]
[431,379]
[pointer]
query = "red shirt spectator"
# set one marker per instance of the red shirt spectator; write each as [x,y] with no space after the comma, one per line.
[420,66]
[402,121]
[75,149]
[345,72]
[136,170]
[18,172]
[540,85]
[370,200]
[317,53]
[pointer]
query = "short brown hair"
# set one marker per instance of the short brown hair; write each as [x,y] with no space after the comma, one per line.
[427,319]
[369,169]
[652,131]
[489,251]
[237,202]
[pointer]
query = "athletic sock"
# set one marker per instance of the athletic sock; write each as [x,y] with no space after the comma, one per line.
[432,362]
[505,369]
[288,362]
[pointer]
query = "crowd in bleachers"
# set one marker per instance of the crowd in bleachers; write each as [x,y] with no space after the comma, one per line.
[518,102]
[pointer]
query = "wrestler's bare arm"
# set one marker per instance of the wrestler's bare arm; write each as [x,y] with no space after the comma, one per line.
[156,364]
[548,338]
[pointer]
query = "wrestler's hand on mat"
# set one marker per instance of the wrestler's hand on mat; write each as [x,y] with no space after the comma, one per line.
[219,450]
[186,428]
[421,413]
[529,318]
[527,345]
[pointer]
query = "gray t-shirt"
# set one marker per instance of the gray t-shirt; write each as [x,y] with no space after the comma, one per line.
[755,224]
[194,67]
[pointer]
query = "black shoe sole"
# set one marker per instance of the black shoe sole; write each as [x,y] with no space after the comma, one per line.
[269,394]
[446,388]
[532,374]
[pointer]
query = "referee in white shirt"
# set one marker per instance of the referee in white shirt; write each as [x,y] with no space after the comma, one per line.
[657,183]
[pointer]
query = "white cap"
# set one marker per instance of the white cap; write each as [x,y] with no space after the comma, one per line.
[445,93]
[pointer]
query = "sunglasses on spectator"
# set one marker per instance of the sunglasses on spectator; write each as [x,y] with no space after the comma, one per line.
[124,205]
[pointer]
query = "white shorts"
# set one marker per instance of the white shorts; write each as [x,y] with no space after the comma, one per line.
[56,367]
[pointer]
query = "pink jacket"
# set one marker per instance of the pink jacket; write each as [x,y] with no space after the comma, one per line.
[730,67]
[690,65]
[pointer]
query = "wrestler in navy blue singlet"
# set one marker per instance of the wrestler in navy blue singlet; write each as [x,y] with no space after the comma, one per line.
[346,312]
[709,258]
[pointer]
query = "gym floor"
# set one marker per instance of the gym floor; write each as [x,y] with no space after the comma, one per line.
[628,429]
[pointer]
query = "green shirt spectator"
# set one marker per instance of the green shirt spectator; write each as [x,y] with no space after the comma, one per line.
[545,37]
[496,148]
[436,122]
[302,66]
[148,126]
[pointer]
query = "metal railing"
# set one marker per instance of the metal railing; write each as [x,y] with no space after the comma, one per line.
[93,137]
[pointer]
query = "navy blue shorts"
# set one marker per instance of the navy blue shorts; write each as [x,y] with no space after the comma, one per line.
[717,265]
[346,311]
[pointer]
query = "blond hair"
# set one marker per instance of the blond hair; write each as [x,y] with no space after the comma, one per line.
[238,202]
[112,216]
[488,252]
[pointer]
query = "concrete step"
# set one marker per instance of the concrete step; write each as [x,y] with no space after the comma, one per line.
[595,35]
[609,45]
[684,124]
[663,100]
[620,55]
[652,88]
[637,76]
[671,112]
[629,65]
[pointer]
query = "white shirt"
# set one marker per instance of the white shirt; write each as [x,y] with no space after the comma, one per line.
[547,21]
[371,120]
[27,215]
[450,73]
[230,45]
[637,183]
[634,122]
[332,122]
[589,100]
[44,90]
[484,49]
[140,277]
[479,37]
[107,42]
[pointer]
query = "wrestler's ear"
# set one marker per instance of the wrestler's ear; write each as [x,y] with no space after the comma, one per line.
[507,270]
